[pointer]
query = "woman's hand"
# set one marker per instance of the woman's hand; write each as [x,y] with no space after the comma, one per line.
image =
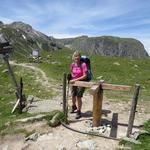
[72,81]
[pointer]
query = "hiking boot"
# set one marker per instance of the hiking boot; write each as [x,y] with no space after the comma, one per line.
[73,109]
[78,115]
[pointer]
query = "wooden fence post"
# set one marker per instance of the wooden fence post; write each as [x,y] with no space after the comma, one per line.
[64,94]
[133,109]
[20,96]
[97,106]
[5,57]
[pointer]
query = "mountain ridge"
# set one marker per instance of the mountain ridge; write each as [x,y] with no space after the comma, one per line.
[24,39]
[107,46]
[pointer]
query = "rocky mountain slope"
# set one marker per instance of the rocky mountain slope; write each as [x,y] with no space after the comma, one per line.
[107,46]
[24,38]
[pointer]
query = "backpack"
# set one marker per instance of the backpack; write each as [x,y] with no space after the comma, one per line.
[85,59]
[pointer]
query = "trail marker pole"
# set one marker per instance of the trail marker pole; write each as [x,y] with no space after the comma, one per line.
[5,57]
[5,49]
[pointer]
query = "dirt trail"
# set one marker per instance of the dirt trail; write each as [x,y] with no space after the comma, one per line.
[60,138]
[40,75]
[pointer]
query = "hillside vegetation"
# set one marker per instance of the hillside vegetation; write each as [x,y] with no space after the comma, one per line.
[114,70]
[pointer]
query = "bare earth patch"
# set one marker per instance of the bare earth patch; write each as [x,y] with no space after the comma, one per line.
[61,138]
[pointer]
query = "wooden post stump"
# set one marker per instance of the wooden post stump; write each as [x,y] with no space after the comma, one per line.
[97,105]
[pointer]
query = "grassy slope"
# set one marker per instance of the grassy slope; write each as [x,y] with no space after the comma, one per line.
[128,72]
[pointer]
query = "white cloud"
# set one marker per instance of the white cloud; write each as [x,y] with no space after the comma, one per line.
[60,36]
[6,20]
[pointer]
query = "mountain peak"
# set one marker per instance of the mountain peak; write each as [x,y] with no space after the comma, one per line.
[21,25]
[24,38]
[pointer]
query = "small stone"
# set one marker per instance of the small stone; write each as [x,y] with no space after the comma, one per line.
[116,63]
[32,137]
[135,66]
[88,144]
[100,77]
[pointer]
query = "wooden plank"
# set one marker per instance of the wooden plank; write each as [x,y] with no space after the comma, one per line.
[133,109]
[5,50]
[94,89]
[115,87]
[97,107]
[105,86]
[83,84]
[114,122]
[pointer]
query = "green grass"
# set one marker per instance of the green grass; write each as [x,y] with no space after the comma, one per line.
[113,70]
[56,63]
[127,72]
[143,138]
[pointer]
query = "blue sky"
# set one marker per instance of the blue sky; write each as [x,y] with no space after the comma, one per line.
[71,18]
